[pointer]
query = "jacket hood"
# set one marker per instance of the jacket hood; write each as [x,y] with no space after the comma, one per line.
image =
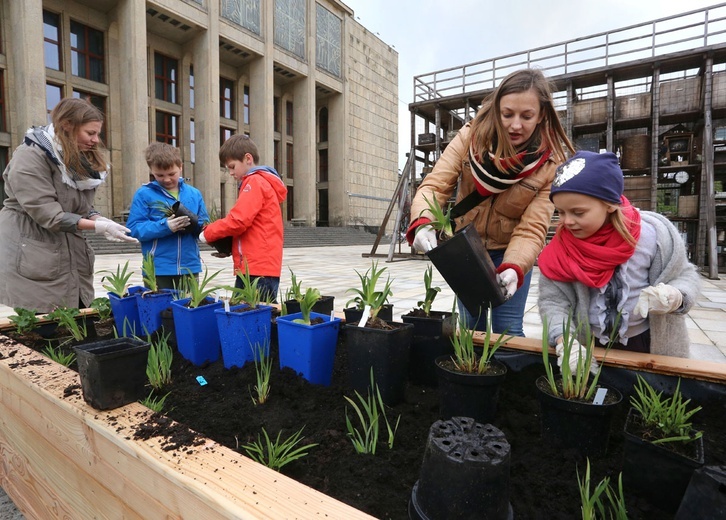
[273,179]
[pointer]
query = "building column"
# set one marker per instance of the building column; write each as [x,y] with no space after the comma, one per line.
[262,91]
[26,65]
[338,200]
[133,109]
[305,150]
[205,51]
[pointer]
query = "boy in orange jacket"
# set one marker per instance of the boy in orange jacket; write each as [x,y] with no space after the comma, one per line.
[255,221]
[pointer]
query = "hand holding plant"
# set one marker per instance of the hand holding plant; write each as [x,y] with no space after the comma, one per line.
[440,219]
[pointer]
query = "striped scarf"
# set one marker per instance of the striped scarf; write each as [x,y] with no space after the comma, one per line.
[490,180]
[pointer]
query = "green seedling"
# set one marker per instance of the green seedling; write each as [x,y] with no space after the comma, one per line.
[367,294]
[369,411]
[200,290]
[149,273]
[307,301]
[25,320]
[430,292]
[278,453]
[102,306]
[263,371]
[158,365]
[66,317]
[465,358]
[56,354]
[118,282]
[155,404]
[440,219]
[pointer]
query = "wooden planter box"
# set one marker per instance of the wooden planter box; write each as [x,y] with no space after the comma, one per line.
[60,458]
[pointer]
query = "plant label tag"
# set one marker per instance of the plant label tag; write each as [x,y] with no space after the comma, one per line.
[226,305]
[216,296]
[364,316]
[600,396]
[332,315]
[201,380]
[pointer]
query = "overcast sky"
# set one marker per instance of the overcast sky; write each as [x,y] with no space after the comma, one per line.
[430,35]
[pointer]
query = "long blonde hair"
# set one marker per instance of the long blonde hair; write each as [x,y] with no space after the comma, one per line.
[486,127]
[67,117]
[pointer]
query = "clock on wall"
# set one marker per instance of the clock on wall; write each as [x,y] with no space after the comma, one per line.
[681,177]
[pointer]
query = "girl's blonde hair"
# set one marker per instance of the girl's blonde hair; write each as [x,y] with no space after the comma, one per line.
[67,117]
[619,222]
[487,124]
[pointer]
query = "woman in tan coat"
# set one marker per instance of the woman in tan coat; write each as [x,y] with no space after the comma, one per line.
[50,182]
[503,163]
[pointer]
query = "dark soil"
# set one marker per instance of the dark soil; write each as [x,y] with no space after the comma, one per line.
[543,481]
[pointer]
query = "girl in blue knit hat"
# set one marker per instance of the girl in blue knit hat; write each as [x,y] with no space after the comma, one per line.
[607,259]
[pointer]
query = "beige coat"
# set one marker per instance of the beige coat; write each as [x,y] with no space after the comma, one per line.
[516,220]
[44,260]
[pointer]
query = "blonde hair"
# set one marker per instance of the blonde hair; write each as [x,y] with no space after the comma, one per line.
[486,127]
[67,117]
[619,222]
[162,155]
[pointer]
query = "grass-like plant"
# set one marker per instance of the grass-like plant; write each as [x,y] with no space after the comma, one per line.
[277,454]
[249,293]
[440,219]
[263,370]
[25,320]
[307,301]
[56,354]
[102,306]
[118,282]
[148,270]
[367,293]
[158,364]
[155,404]
[430,292]
[578,384]
[66,318]
[164,207]
[369,410]
[465,357]
[199,290]
[593,506]
[294,292]
[667,419]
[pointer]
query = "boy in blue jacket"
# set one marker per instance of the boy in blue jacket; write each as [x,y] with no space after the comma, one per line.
[172,240]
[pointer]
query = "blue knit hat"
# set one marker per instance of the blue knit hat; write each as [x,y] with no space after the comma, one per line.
[589,173]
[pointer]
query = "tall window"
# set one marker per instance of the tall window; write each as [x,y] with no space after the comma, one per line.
[288,118]
[323,125]
[167,128]
[290,199]
[226,98]
[191,86]
[53,95]
[323,165]
[288,158]
[51,40]
[329,30]
[277,156]
[246,115]
[87,52]
[290,26]
[3,126]
[166,78]
[276,113]
[97,101]
[224,134]
[192,142]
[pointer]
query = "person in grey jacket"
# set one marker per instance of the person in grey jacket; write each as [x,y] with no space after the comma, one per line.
[611,264]
[50,182]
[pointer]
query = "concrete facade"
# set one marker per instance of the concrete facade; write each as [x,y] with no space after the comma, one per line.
[312,87]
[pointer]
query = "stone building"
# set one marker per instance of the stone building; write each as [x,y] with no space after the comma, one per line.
[312,87]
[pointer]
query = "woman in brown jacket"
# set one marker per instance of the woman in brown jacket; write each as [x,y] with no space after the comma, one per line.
[50,182]
[503,162]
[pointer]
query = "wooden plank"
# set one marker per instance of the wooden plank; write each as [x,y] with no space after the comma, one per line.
[53,447]
[667,365]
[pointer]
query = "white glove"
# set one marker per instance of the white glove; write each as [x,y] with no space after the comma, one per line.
[578,354]
[202,238]
[177,223]
[508,280]
[660,299]
[112,231]
[425,239]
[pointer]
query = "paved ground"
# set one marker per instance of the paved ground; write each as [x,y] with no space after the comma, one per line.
[333,271]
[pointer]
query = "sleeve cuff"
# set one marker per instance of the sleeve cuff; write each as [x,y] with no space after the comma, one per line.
[411,231]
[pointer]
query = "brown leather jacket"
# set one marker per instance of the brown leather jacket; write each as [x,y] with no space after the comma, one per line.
[516,220]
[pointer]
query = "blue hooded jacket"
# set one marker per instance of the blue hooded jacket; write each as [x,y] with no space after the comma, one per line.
[174,253]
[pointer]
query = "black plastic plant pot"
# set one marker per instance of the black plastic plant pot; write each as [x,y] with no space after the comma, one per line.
[466,266]
[464,473]
[572,424]
[112,372]
[469,395]
[223,245]
[431,339]
[323,306]
[705,495]
[386,351]
[180,210]
[654,472]
[354,314]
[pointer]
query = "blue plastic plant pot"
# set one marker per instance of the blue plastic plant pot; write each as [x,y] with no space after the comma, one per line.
[150,306]
[197,335]
[126,312]
[242,332]
[308,349]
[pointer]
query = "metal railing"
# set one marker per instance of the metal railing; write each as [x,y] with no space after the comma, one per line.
[684,32]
